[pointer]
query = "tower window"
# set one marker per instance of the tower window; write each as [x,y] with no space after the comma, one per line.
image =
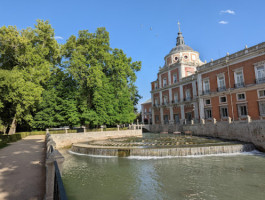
[176,58]
[186,57]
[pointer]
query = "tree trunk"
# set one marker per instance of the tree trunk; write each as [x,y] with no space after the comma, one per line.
[13,127]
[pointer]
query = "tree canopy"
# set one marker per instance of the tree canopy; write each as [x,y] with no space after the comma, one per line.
[81,82]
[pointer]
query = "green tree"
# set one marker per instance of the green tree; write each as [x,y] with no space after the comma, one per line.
[59,105]
[106,78]
[26,58]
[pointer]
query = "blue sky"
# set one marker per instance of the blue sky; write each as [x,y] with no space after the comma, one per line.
[146,30]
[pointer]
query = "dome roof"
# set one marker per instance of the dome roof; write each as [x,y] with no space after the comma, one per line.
[179,48]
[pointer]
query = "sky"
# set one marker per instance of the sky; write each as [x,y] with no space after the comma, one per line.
[146,30]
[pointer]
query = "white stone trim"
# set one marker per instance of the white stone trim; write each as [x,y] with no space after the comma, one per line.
[260,97]
[241,99]
[220,100]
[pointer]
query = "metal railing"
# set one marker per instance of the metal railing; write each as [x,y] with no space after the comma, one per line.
[239,85]
[204,92]
[59,191]
[220,89]
[260,80]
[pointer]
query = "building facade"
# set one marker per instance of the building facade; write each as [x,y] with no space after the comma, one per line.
[187,90]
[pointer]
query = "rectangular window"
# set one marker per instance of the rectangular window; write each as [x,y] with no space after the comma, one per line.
[207,101]
[165,98]
[206,86]
[176,118]
[262,108]
[145,110]
[156,85]
[221,83]
[239,79]
[165,119]
[242,110]
[241,97]
[188,95]
[224,112]
[175,78]
[261,93]
[260,74]
[175,97]
[156,101]
[222,99]
[164,82]
[157,118]
[208,113]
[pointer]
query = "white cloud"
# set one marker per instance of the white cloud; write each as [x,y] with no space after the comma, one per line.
[231,12]
[58,38]
[223,22]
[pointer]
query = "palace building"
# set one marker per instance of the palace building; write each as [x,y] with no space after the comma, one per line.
[188,91]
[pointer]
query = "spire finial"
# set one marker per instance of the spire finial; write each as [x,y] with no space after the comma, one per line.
[179,26]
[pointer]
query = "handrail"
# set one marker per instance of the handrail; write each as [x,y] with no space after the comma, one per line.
[59,191]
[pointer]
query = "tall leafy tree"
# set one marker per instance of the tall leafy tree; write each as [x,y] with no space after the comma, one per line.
[26,58]
[106,78]
[59,104]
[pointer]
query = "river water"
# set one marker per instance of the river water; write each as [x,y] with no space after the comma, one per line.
[235,177]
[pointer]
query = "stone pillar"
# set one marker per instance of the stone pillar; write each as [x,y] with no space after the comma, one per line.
[47,130]
[162,115]
[248,119]
[196,113]
[50,172]
[201,108]
[101,128]
[169,77]
[229,120]
[202,121]
[84,129]
[214,121]
[170,95]
[118,127]
[181,96]
[182,112]
[194,89]
[153,116]
[161,97]
[192,122]
[171,115]
[199,83]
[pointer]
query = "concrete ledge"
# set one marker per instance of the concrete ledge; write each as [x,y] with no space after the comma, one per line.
[67,139]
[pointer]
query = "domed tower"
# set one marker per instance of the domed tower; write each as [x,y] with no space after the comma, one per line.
[183,57]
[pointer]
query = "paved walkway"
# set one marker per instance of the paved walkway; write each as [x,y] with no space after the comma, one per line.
[22,170]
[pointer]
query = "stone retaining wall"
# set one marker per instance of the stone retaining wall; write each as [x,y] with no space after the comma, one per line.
[253,132]
[67,139]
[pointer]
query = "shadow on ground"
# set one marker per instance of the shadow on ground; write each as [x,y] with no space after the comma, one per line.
[22,170]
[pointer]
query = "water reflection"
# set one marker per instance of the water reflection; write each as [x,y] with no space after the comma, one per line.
[216,177]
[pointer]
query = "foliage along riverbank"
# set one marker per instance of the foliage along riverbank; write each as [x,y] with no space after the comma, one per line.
[81,82]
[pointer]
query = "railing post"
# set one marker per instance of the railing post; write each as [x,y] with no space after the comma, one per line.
[214,121]
[47,130]
[101,128]
[118,127]
[66,130]
[229,120]
[52,155]
[248,119]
